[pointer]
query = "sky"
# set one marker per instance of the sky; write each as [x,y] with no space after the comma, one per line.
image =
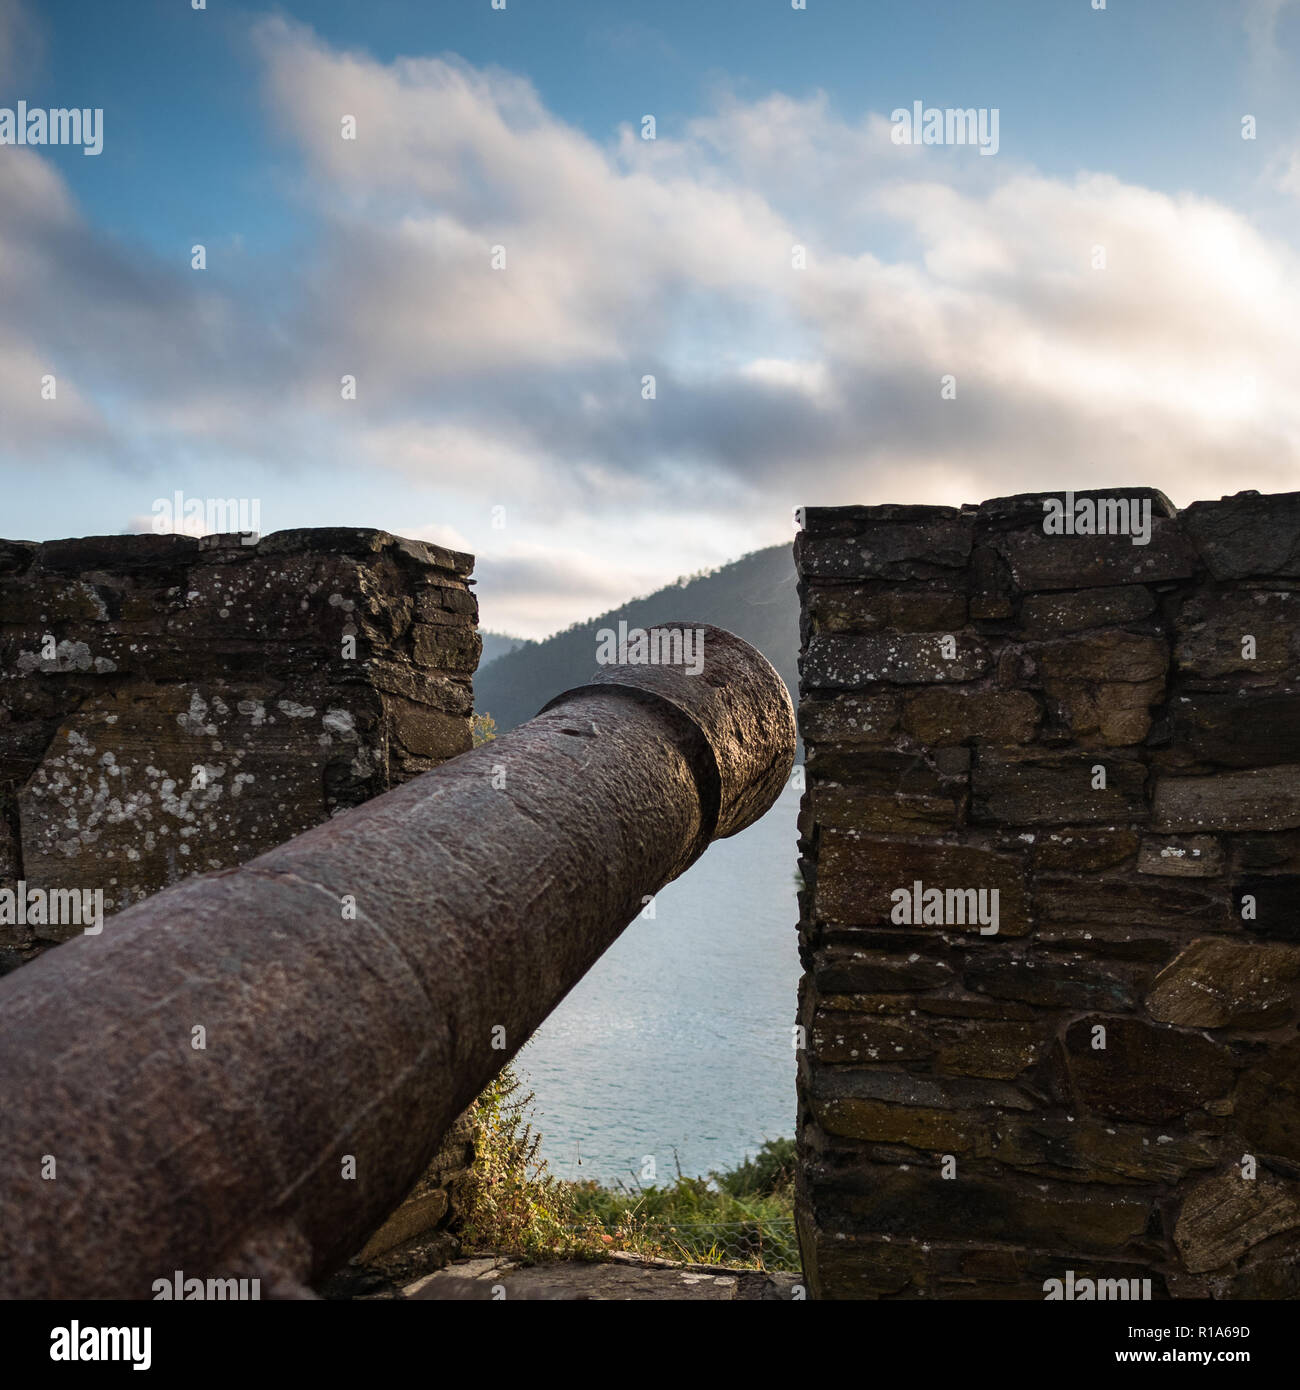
[499,260]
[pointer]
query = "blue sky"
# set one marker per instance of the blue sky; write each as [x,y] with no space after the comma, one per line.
[501,410]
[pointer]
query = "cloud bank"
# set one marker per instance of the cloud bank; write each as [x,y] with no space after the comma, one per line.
[799,288]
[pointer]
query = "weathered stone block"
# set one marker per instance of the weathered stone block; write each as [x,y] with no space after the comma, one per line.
[1077,611]
[117,554]
[856,1267]
[23,741]
[1213,631]
[914,1126]
[441,597]
[16,556]
[1080,1150]
[878,1005]
[850,719]
[1083,850]
[953,1006]
[841,971]
[150,783]
[1030,787]
[857,887]
[1144,1072]
[927,611]
[901,1088]
[999,1050]
[1247,534]
[1280,851]
[1107,714]
[1036,561]
[448,648]
[1129,902]
[1190,856]
[1262,799]
[413,1218]
[953,716]
[853,520]
[1105,656]
[846,1035]
[920,547]
[1027,509]
[1218,983]
[921,1205]
[851,808]
[1223,1217]
[880,771]
[427,733]
[1114,940]
[854,608]
[951,762]
[1274,1275]
[849,663]
[1051,983]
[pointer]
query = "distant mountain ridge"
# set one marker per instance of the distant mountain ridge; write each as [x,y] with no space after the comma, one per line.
[496,644]
[754,597]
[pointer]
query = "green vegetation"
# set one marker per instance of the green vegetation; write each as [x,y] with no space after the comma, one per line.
[482,728]
[510,1202]
[741,1217]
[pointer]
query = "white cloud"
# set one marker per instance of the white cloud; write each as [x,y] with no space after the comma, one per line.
[521,588]
[1174,366]
[623,258]
[435,533]
[140,525]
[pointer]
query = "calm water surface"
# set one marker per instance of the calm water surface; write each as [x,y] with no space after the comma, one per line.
[678,1041]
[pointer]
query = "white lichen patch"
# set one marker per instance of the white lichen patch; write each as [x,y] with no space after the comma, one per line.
[255,710]
[340,722]
[195,719]
[295,710]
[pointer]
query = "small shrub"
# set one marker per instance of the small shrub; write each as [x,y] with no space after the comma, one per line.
[511,1203]
[770,1172]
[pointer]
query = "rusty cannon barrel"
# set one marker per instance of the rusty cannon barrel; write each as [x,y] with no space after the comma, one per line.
[242,1075]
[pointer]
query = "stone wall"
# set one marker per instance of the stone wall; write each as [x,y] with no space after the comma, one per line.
[170,706]
[1108,735]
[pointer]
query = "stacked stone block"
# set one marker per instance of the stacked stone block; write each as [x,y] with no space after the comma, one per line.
[171,706]
[1108,734]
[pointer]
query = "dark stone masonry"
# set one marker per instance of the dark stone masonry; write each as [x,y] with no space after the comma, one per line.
[169,706]
[1108,735]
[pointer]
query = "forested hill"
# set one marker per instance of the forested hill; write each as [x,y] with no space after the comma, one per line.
[497,644]
[753,597]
